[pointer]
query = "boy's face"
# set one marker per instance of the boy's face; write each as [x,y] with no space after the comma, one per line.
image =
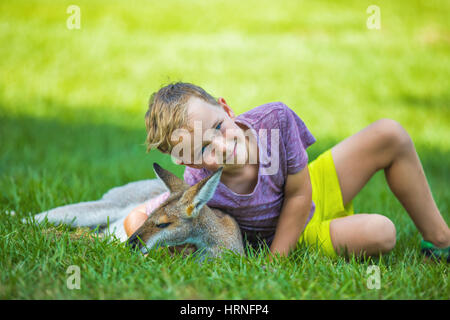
[215,139]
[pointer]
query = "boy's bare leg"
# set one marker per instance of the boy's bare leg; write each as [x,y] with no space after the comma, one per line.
[362,233]
[386,145]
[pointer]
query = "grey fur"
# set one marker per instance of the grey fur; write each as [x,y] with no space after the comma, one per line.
[113,206]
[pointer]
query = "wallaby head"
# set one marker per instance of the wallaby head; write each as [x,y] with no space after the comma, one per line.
[181,218]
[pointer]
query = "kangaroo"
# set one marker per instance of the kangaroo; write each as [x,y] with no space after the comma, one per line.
[184,218]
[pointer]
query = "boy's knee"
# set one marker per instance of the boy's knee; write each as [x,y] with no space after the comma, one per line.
[381,233]
[393,133]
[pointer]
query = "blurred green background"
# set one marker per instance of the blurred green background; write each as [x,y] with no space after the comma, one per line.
[72,102]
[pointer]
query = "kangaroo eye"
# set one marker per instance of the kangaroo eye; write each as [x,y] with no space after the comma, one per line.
[163,225]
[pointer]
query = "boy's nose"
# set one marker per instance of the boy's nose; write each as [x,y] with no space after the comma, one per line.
[221,145]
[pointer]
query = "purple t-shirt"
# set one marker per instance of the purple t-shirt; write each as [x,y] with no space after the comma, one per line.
[257,212]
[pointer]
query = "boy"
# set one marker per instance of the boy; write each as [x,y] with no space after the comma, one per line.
[311,203]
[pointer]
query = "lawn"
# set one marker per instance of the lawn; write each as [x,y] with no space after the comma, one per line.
[72,104]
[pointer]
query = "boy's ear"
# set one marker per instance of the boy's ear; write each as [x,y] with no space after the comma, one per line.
[226,107]
[222,101]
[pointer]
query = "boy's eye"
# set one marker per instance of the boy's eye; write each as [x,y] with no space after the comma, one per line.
[204,147]
[217,128]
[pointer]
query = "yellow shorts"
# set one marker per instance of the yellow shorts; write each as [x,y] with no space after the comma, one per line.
[326,194]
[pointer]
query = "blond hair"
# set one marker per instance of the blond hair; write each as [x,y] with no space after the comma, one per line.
[167,111]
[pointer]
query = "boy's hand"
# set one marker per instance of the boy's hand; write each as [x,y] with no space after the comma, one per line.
[294,213]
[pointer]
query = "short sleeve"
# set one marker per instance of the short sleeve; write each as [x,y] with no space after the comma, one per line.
[154,203]
[296,138]
[192,176]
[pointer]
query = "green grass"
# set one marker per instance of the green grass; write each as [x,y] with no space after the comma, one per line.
[71,127]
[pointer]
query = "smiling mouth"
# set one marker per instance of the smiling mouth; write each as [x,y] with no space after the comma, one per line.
[234,151]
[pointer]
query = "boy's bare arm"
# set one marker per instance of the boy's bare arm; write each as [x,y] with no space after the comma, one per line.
[294,213]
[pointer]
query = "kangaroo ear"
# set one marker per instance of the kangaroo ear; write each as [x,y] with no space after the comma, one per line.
[199,194]
[172,182]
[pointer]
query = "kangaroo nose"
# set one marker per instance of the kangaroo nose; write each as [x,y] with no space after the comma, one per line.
[133,242]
